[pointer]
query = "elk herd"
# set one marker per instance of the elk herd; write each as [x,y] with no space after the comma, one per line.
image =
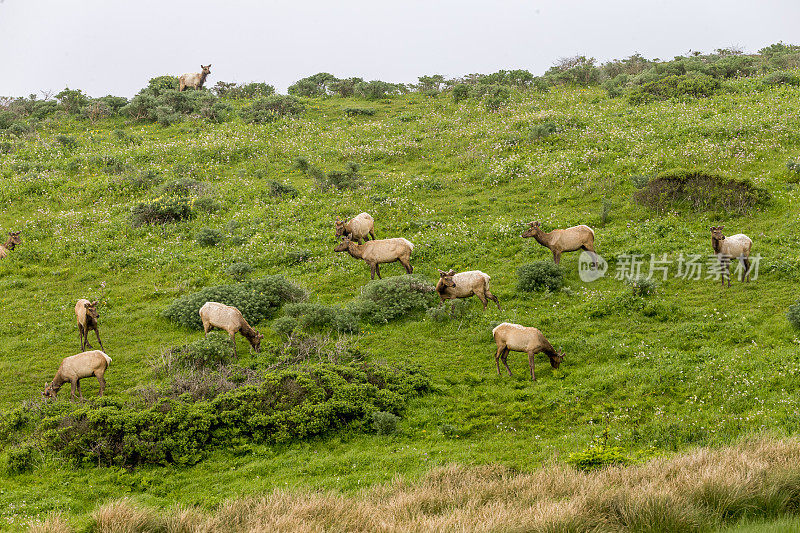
[357,238]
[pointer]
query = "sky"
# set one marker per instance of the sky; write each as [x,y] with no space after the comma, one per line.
[116,46]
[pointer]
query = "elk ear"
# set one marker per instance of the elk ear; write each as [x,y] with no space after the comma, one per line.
[451,272]
[722,227]
[87,305]
[94,303]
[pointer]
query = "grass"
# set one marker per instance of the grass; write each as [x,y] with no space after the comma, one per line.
[692,365]
[697,491]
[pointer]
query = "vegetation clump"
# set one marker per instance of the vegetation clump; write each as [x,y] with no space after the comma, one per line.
[793,315]
[257,300]
[387,299]
[162,210]
[269,109]
[540,276]
[697,190]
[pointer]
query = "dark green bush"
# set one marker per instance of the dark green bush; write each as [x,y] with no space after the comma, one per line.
[338,179]
[19,459]
[542,130]
[243,91]
[72,101]
[596,457]
[208,237]
[385,423]
[373,90]
[141,181]
[210,352]
[239,271]
[697,190]
[317,85]
[453,310]
[268,109]
[781,78]
[286,325]
[354,111]
[694,86]
[641,285]
[313,316]
[166,115]
[295,257]
[398,296]
[162,210]
[460,92]
[639,181]
[207,204]
[793,315]
[280,189]
[67,141]
[257,300]
[540,276]
[288,405]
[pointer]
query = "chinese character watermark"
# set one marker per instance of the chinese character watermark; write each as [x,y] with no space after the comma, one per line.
[691,267]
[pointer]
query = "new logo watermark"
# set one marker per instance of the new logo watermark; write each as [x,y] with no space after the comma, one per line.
[592,267]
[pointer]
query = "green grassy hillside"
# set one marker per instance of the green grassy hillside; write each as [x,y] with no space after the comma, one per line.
[693,364]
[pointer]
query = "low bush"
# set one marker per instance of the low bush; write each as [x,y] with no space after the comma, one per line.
[542,130]
[596,457]
[453,310]
[338,179]
[182,186]
[208,237]
[639,181]
[67,141]
[141,181]
[697,190]
[667,87]
[355,111]
[162,210]
[239,271]
[287,405]
[540,276]
[243,91]
[265,110]
[210,352]
[793,315]
[781,78]
[256,299]
[460,92]
[314,316]
[285,325]
[279,189]
[641,285]
[384,423]
[395,297]
[19,459]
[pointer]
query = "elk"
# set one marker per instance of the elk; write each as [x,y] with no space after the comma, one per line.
[564,240]
[465,284]
[379,251]
[13,240]
[513,337]
[733,247]
[195,80]
[87,315]
[230,319]
[76,367]
[357,228]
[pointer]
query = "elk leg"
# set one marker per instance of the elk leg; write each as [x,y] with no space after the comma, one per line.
[482,298]
[497,358]
[372,234]
[407,265]
[72,390]
[102,381]
[378,270]
[206,327]
[97,332]
[504,357]
[532,363]
[590,248]
[493,298]
[233,340]
[746,273]
[556,256]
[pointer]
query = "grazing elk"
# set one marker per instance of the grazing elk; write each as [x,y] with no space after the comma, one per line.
[13,240]
[230,319]
[465,284]
[195,80]
[564,240]
[76,367]
[516,338]
[379,251]
[87,315]
[357,228]
[733,247]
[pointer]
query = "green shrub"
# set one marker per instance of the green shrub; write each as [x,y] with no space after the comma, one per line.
[72,101]
[667,87]
[793,315]
[697,190]
[781,78]
[19,459]
[257,300]
[387,299]
[285,325]
[373,90]
[641,285]
[453,310]
[540,131]
[313,316]
[182,187]
[287,405]
[207,204]
[210,352]
[162,210]
[639,181]
[243,91]
[141,181]
[340,180]
[239,271]
[460,92]
[540,276]
[265,110]
[208,237]
[67,141]
[280,189]
[384,423]
[355,111]
[596,457]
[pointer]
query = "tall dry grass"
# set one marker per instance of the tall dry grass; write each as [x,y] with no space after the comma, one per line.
[697,491]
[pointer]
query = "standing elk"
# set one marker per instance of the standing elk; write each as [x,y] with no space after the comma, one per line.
[465,284]
[380,251]
[230,319]
[733,247]
[357,228]
[195,80]
[87,315]
[516,338]
[564,240]
[76,367]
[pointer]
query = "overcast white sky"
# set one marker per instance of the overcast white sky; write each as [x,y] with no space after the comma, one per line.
[108,46]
